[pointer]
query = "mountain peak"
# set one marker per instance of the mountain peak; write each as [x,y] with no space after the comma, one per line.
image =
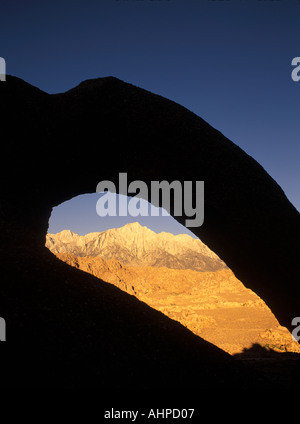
[136,227]
[66,232]
[66,235]
[137,245]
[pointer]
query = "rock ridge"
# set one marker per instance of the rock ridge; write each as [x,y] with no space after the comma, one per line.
[137,245]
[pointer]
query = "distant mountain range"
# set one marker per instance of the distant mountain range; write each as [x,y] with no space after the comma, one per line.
[136,245]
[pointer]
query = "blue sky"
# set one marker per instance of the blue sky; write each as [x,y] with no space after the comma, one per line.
[227,61]
[79,215]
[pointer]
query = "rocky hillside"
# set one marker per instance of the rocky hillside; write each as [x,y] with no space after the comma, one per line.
[136,245]
[181,277]
[213,305]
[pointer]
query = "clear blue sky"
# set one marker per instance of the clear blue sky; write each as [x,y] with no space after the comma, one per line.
[227,61]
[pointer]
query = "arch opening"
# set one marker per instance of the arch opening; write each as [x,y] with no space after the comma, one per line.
[163,264]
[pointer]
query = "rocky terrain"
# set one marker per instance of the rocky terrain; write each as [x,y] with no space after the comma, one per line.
[136,245]
[212,304]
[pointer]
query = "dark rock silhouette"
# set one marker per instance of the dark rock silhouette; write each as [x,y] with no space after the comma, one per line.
[91,133]
[279,368]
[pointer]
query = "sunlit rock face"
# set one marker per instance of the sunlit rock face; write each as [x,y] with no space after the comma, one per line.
[181,277]
[59,146]
[137,245]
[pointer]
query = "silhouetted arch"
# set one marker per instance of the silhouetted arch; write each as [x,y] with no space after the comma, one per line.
[62,145]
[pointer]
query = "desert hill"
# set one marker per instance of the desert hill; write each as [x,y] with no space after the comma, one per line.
[137,245]
[213,304]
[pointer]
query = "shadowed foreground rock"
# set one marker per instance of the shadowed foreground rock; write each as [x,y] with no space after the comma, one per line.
[67,329]
[63,328]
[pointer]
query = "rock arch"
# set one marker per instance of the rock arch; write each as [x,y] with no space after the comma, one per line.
[62,145]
